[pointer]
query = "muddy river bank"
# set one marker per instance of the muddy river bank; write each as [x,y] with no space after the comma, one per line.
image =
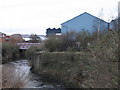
[17,74]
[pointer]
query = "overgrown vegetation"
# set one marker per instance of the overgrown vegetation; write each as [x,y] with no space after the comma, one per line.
[33,49]
[71,41]
[107,47]
[94,64]
[9,52]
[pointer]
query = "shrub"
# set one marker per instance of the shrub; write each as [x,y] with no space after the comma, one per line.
[33,49]
[52,43]
[9,52]
[83,37]
[107,47]
[67,41]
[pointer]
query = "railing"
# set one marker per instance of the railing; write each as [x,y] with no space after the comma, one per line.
[28,45]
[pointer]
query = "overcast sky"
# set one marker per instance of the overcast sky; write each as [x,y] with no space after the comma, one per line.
[35,16]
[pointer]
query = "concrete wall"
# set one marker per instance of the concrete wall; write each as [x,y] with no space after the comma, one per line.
[75,69]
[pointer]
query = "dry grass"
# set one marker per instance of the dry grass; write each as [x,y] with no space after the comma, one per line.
[12,78]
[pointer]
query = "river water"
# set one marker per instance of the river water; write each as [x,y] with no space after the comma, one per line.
[22,72]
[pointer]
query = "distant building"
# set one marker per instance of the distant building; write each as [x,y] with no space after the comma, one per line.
[16,38]
[27,38]
[4,38]
[53,31]
[115,24]
[43,37]
[84,21]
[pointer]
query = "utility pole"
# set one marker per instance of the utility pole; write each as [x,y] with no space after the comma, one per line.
[119,15]
[98,31]
[99,23]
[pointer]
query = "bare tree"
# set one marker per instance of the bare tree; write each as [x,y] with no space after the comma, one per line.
[35,38]
[99,22]
[114,19]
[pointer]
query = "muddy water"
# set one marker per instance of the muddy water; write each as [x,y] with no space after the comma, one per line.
[22,71]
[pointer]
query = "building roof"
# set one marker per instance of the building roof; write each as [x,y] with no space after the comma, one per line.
[16,35]
[83,14]
[2,34]
[27,37]
[53,31]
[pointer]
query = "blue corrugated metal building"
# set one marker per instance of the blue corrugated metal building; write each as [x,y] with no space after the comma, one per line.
[84,21]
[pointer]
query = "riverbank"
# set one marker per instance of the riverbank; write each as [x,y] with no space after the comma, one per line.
[76,69]
[17,74]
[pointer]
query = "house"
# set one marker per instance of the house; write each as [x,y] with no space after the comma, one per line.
[53,31]
[16,38]
[13,39]
[84,21]
[4,38]
[26,37]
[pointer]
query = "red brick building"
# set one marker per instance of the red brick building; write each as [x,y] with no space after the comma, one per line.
[13,39]
[4,38]
[16,38]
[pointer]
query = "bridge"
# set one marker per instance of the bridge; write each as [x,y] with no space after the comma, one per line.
[25,46]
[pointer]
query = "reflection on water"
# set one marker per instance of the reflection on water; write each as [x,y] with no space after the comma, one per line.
[20,71]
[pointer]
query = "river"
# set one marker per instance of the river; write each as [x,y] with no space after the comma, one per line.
[18,72]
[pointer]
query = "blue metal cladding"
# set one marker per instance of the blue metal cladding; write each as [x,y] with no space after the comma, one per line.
[114,24]
[50,31]
[84,21]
